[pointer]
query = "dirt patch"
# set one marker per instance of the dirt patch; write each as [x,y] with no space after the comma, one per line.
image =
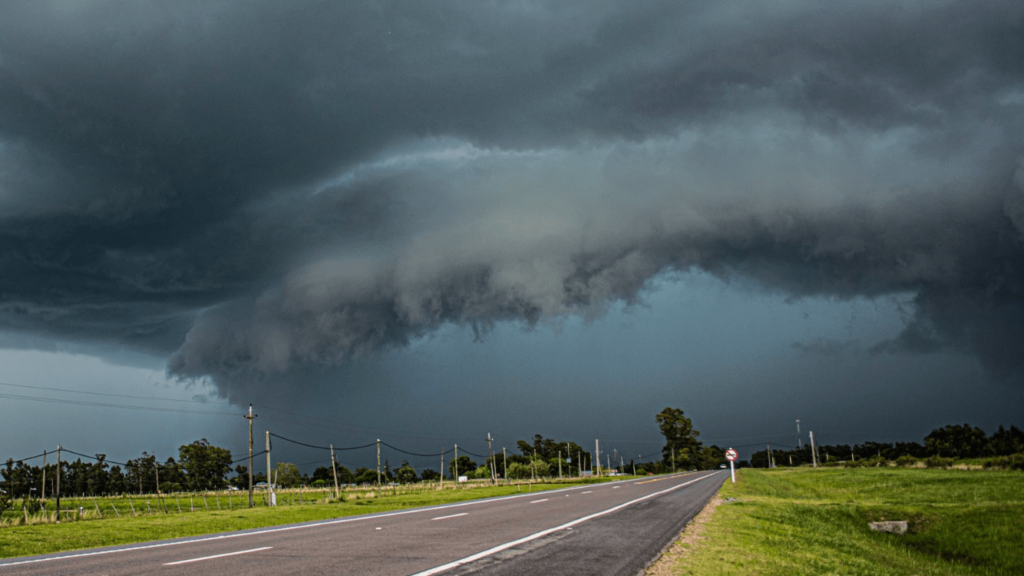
[689,539]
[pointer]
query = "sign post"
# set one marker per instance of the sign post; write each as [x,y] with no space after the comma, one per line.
[731,455]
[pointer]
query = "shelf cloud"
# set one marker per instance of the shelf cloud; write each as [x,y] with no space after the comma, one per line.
[250,188]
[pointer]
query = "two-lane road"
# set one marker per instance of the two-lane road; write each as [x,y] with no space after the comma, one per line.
[612,528]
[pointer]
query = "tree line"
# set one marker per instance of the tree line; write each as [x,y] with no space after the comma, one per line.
[199,466]
[951,441]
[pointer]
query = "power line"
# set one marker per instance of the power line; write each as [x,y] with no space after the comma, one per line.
[106,405]
[321,447]
[96,458]
[101,393]
[20,460]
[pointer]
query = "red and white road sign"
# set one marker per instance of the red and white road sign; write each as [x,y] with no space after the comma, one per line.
[731,454]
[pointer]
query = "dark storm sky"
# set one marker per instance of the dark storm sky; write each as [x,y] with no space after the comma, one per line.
[449,218]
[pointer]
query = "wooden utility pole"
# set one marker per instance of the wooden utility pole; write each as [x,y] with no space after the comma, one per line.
[159,496]
[504,464]
[456,463]
[271,501]
[673,459]
[42,495]
[559,464]
[597,455]
[378,467]
[58,484]
[494,470]
[814,453]
[250,417]
[334,470]
[442,468]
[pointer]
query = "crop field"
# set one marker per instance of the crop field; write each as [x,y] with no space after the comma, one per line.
[815,521]
[108,521]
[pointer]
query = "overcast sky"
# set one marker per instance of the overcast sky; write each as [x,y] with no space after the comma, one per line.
[425,222]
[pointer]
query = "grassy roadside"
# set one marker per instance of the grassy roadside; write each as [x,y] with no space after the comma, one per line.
[814,521]
[47,538]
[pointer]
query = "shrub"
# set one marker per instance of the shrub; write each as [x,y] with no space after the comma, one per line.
[938,462]
[906,460]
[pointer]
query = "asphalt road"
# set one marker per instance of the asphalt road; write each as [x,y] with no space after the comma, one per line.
[614,528]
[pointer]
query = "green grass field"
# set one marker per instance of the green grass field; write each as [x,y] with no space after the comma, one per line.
[815,521]
[91,530]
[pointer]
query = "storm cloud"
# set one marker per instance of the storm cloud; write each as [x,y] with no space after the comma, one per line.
[250,188]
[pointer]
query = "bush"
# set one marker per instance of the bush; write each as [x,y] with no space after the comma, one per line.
[906,460]
[938,462]
[518,471]
[318,483]
[1011,462]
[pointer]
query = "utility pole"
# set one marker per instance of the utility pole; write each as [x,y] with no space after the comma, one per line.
[504,464]
[579,462]
[159,495]
[250,417]
[334,470]
[378,467]
[271,501]
[58,483]
[559,464]
[494,473]
[768,454]
[42,495]
[597,453]
[673,459]
[814,455]
[442,467]
[456,462]
[799,440]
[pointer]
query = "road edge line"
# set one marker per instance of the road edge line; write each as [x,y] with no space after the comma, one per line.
[542,533]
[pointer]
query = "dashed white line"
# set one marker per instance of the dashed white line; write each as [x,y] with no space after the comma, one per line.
[587,492]
[538,501]
[542,533]
[217,556]
[451,516]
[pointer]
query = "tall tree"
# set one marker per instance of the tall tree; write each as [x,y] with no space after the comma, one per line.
[205,465]
[680,438]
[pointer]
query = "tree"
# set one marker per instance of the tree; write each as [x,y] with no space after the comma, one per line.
[405,474]
[287,475]
[958,442]
[680,438]
[429,475]
[518,471]
[204,464]
[1006,442]
[465,466]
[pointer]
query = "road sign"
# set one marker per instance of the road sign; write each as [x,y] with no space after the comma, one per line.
[731,455]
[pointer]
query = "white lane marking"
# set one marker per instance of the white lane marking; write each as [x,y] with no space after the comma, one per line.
[614,487]
[587,492]
[259,531]
[542,533]
[538,501]
[217,556]
[451,516]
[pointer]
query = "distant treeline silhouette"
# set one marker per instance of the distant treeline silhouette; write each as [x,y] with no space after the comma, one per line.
[949,442]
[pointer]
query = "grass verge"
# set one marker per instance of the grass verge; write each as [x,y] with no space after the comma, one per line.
[815,521]
[32,539]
